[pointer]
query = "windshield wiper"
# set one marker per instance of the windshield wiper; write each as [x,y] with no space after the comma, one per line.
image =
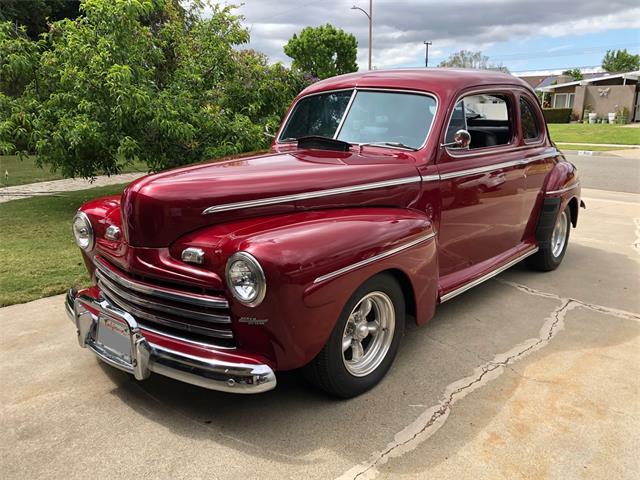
[388,144]
[323,143]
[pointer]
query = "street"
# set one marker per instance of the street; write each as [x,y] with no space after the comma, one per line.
[529,375]
[618,174]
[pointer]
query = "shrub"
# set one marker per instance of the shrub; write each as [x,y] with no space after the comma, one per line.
[557,115]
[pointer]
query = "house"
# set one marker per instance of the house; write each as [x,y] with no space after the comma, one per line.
[601,94]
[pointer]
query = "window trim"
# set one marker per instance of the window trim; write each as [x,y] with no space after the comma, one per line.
[536,113]
[353,95]
[489,90]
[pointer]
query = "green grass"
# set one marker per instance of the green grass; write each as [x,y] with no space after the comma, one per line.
[26,171]
[585,133]
[593,148]
[38,256]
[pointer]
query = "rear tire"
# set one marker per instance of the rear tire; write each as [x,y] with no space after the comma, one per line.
[364,341]
[552,249]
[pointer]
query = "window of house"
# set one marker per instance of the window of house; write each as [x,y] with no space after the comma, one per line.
[563,100]
[528,120]
[487,118]
[559,100]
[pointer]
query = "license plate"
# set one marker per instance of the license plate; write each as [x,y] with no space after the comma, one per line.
[114,335]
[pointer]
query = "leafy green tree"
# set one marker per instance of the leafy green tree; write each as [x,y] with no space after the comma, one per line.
[323,51]
[620,61]
[574,73]
[471,59]
[35,14]
[137,80]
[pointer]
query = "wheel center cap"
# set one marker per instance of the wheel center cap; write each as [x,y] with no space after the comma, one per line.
[362,330]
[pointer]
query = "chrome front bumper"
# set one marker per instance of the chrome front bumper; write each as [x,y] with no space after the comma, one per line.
[147,357]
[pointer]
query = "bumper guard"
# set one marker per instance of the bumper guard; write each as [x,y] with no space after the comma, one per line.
[146,357]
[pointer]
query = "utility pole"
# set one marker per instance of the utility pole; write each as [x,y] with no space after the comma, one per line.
[370,17]
[426,54]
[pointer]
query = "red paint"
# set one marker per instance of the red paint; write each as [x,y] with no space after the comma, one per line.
[481,220]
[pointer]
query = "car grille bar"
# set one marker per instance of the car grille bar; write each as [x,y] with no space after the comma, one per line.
[162,306]
[157,291]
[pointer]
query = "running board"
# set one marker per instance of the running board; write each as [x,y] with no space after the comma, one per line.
[486,276]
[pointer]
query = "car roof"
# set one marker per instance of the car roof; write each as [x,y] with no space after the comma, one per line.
[441,81]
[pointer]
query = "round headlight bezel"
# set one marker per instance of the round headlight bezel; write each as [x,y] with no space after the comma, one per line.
[87,223]
[256,269]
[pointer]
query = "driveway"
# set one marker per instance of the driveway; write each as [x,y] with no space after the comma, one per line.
[529,375]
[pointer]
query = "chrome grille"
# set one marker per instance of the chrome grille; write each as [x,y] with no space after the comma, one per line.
[158,306]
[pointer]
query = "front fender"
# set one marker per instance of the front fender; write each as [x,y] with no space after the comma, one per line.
[296,251]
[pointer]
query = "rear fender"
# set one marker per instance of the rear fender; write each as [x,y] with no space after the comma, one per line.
[562,189]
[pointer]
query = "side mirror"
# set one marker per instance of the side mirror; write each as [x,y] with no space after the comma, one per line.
[267,133]
[462,139]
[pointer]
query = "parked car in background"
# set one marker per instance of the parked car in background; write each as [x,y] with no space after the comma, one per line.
[385,193]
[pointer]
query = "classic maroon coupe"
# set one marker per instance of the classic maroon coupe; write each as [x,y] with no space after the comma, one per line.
[385,193]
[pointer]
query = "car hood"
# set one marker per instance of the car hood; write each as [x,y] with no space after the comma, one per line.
[159,208]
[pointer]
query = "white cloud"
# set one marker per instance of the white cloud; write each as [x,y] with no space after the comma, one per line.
[401,27]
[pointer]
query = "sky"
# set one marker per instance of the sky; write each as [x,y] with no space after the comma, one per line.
[524,35]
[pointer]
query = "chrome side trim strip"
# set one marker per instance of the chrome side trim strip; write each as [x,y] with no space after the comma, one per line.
[307,195]
[484,278]
[562,190]
[157,291]
[497,166]
[375,258]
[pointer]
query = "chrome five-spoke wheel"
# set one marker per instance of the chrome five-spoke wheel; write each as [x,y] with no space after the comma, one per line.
[553,244]
[559,235]
[368,334]
[364,340]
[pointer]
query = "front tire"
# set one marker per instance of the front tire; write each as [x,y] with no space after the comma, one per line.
[552,249]
[364,341]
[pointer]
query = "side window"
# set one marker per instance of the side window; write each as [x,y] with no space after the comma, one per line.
[528,120]
[487,118]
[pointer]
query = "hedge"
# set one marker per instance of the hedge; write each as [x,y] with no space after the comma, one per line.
[557,115]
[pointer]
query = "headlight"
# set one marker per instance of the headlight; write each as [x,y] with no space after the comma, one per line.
[245,279]
[82,231]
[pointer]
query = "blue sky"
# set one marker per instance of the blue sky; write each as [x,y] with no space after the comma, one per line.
[521,34]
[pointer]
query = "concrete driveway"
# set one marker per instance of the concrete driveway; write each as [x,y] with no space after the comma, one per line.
[527,376]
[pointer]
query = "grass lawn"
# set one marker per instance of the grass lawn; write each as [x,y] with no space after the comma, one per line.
[585,133]
[593,148]
[26,171]
[38,256]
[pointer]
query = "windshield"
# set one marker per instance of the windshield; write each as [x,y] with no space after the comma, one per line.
[373,117]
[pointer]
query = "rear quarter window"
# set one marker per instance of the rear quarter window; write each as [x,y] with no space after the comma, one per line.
[529,120]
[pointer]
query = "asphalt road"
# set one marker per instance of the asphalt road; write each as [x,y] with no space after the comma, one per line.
[617,174]
[528,376]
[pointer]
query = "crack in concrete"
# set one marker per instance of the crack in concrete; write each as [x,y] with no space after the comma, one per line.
[591,306]
[432,419]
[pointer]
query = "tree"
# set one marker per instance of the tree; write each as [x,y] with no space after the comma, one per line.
[34,15]
[471,59]
[574,73]
[620,61]
[137,80]
[323,51]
